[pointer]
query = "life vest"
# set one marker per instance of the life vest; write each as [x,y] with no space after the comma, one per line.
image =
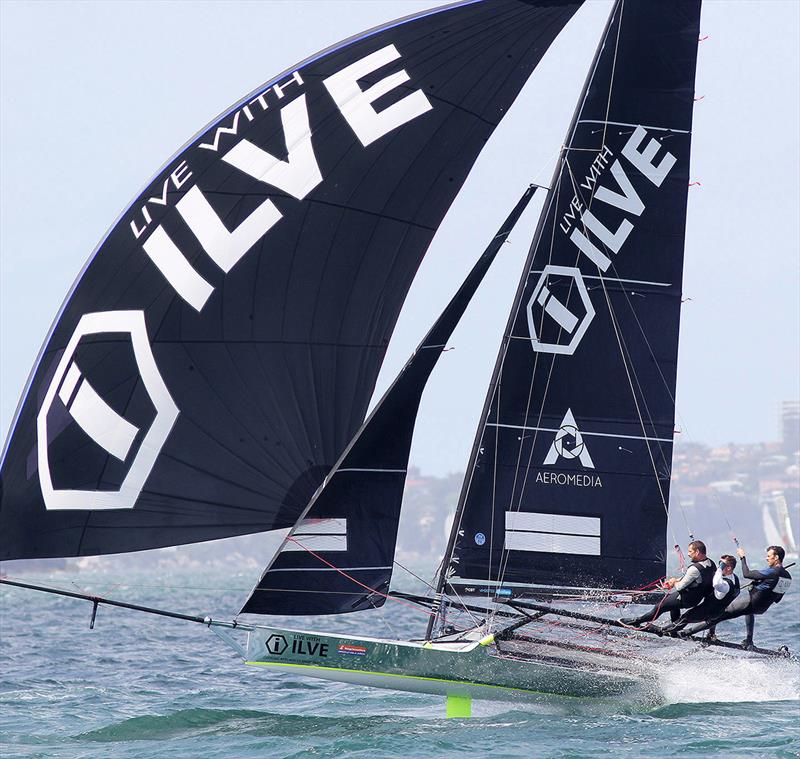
[714,605]
[770,591]
[701,589]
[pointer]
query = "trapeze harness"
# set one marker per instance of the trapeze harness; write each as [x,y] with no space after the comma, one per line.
[700,586]
[769,586]
[713,606]
[699,590]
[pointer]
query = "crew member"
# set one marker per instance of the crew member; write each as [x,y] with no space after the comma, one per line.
[768,586]
[686,592]
[726,588]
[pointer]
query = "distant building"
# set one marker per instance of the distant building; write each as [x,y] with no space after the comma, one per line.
[790,426]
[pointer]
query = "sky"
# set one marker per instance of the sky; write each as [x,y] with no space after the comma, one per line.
[95,97]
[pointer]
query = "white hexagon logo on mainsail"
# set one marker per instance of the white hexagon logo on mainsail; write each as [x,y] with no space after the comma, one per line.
[556,327]
[100,422]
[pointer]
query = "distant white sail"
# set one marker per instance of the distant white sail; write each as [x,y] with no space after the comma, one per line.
[785,525]
[771,531]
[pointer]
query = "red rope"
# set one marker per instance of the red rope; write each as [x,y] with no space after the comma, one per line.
[681,560]
[353,579]
[652,584]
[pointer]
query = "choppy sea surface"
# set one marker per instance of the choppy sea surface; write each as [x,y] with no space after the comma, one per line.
[143,686]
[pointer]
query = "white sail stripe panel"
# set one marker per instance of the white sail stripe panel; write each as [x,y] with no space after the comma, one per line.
[633,126]
[329,569]
[552,533]
[68,385]
[317,543]
[551,543]
[568,524]
[583,432]
[331,526]
[614,279]
[95,417]
[177,270]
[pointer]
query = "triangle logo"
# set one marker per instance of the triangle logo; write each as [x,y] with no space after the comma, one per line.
[568,444]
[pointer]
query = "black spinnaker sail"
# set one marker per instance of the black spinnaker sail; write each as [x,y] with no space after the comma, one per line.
[568,484]
[219,350]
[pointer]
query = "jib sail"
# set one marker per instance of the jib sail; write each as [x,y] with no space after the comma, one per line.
[220,348]
[568,484]
[339,557]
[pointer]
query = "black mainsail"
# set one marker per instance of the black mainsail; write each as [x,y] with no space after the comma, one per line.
[220,348]
[568,483]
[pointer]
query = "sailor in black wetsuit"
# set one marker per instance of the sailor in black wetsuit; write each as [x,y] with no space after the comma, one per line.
[768,586]
[686,592]
[726,589]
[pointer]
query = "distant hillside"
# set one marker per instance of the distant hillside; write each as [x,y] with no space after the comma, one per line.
[716,492]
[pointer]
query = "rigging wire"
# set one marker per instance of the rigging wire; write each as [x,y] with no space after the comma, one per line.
[447,559]
[684,428]
[382,611]
[358,582]
[505,556]
[416,576]
[464,607]
[629,369]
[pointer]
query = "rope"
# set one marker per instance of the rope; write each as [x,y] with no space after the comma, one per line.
[382,612]
[464,606]
[686,432]
[416,576]
[357,582]
[516,507]
[655,613]
[681,559]
[613,69]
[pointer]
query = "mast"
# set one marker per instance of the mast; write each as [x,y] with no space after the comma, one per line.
[442,578]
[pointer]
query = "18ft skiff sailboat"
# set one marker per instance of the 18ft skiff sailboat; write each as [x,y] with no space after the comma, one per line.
[210,372]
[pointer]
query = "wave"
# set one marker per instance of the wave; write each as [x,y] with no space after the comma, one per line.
[713,678]
[187,723]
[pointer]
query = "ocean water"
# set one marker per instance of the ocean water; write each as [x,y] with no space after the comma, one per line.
[143,686]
